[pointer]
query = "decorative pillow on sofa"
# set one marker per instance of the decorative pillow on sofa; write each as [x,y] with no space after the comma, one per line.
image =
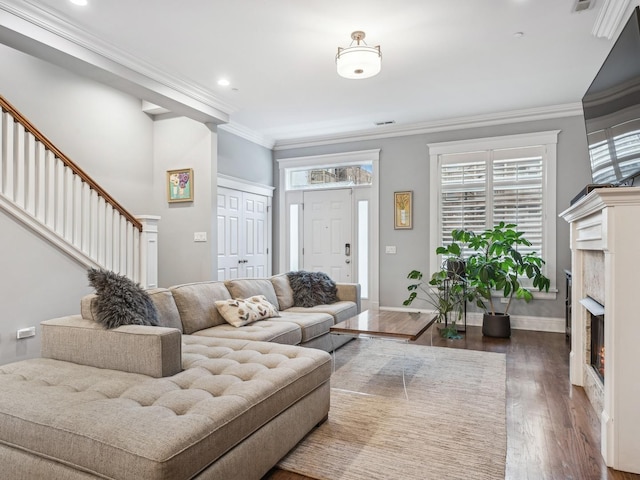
[239,312]
[121,301]
[312,288]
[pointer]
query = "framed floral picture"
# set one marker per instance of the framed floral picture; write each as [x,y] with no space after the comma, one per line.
[180,185]
[403,210]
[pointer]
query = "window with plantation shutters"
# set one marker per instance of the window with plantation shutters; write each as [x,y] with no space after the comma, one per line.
[477,184]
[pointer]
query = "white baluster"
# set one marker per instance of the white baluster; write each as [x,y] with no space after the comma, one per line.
[101,239]
[115,241]
[77,211]
[108,237]
[86,219]
[122,267]
[3,144]
[50,189]
[18,165]
[40,189]
[69,204]
[93,222]
[7,185]
[59,197]
[31,174]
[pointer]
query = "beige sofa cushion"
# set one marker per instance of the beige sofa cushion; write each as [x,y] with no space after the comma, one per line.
[243,311]
[168,315]
[312,324]
[153,351]
[283,290]
[270,330]
[123,425]
[196,303]
[248,287]
[340,310]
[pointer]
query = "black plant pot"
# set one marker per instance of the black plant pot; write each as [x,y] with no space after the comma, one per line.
[498,325]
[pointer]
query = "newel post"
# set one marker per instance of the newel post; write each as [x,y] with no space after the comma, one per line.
[149,251]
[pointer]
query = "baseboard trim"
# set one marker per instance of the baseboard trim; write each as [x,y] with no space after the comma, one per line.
[518,322]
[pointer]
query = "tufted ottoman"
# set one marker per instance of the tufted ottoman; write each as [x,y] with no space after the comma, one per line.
[235,409]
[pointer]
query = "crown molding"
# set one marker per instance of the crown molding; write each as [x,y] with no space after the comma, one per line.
[610,18]
[70,40]
[247,134]
[475,121]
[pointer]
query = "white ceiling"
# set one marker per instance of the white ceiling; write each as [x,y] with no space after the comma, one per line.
[441,59]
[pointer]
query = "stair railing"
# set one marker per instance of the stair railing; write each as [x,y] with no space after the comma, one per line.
[45,190]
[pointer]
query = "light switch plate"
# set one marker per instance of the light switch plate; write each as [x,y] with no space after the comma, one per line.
[390,249]
[200,236]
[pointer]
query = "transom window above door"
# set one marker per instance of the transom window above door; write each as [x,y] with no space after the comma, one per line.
[336,176]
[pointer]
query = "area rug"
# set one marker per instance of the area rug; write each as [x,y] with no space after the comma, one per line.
[452,426]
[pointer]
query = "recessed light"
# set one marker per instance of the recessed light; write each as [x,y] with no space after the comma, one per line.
[82,3]
[223,82]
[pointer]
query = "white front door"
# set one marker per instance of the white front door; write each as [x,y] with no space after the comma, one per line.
[243,234]
[328,233]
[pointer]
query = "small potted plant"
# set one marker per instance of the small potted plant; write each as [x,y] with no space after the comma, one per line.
[445,291]
[496,265]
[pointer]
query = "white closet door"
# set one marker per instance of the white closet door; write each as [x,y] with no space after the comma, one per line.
[243,234]
[229,234]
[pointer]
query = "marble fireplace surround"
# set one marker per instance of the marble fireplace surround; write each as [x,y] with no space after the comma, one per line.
[605,261]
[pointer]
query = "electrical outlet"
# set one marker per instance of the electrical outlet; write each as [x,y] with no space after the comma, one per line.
[390,249]
[26,332]
[504,300]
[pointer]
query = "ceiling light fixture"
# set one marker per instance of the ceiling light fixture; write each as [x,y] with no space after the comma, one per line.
[359,60]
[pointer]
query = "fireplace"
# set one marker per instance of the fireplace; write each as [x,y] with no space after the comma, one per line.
[604,334]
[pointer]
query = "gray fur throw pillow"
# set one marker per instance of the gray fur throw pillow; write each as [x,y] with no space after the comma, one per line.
[312,288]
[120,301]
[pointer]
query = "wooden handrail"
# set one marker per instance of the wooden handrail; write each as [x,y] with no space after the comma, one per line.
[18,117]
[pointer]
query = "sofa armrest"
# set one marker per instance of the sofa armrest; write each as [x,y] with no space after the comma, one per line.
[153,351]
[349,292]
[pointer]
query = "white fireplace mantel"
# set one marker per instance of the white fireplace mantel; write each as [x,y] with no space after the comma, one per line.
[607,220]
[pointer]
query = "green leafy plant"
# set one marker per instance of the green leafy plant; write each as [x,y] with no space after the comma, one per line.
[497,265]
[445,292]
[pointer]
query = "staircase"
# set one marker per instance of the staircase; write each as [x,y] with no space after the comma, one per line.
[42,188]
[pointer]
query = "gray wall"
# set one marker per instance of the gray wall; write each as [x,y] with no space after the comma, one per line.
[184,143]
[404,165]
[240,158]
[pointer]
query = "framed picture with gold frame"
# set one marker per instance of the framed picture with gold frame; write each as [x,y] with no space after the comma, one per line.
[403,210]
[180,185]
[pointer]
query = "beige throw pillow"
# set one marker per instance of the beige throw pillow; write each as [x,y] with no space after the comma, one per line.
[239,312]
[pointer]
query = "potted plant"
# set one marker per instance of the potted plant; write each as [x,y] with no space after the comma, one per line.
[445,291]
[496,265]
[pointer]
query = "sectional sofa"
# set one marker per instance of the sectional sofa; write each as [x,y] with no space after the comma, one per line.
[192,398]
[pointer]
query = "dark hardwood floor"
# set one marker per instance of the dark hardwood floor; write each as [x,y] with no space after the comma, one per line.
[553,433]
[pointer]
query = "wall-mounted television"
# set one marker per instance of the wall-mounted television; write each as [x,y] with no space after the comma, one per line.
[611,108]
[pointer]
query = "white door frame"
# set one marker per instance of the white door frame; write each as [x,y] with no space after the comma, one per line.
[361,156]
[234,183]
